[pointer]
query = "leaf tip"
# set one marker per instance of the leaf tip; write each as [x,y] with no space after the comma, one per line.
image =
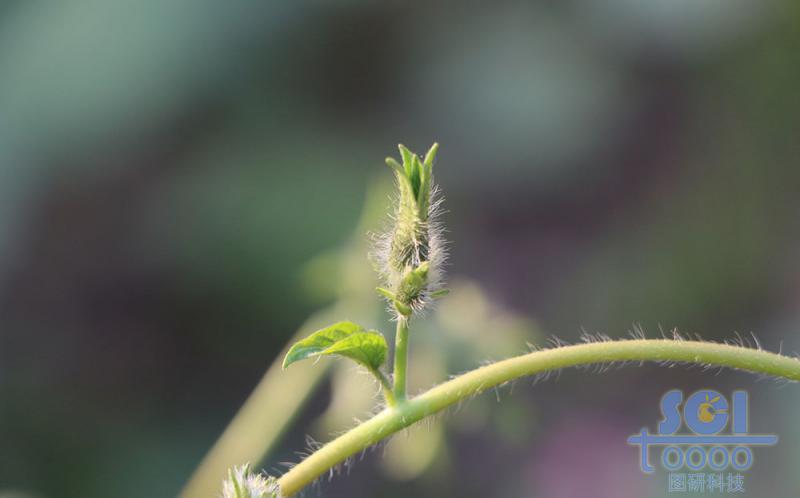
[431,155]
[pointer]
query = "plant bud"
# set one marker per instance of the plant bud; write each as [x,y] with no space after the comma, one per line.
[410,255]
[242,483]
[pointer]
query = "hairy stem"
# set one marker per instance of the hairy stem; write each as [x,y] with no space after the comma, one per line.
[393,419]
[386,388]
[400,359]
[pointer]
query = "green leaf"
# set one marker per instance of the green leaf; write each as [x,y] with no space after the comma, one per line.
[408,159]
[426,172]
[367,347]
[440,293]
[386,293]
[403,309]
[390,161]
[431,155]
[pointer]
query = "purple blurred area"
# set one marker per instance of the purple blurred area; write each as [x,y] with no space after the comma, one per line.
[169,169]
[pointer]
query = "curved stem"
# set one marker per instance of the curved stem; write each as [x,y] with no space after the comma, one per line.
[386,388]
[393,419]
[400,359]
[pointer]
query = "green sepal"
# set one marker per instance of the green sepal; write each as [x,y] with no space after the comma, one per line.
[408,161]
[390,161]
[366,347]
[386,293]
[237,488]
[426,173]
[439,293]
[430,156]
[403,309]
[413,282]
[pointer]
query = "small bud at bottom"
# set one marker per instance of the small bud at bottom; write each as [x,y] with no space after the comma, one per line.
[413,284]
[242,483]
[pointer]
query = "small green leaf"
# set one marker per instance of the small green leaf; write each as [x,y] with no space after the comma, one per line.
[415,177]
[367,347]
[390,161]
[413,283]
[403,309]
[408,161]
[440,293]
[431,155]
[386,293]
[426,172]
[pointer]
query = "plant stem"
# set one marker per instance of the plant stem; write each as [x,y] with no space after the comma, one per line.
[393,419]
[400,359]
[386,388]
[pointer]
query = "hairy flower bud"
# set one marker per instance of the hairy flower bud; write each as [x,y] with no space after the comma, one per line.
[410,254]
[242,483]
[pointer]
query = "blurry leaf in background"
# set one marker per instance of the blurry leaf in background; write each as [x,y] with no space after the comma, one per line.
[415,451]
[476,328]
[16,494]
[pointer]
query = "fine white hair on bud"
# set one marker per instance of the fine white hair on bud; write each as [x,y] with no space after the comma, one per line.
[242,483]
[409,256]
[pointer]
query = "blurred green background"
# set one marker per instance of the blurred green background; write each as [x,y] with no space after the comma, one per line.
[182,184]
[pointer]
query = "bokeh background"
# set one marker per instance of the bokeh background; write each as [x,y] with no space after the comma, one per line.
[185,185]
